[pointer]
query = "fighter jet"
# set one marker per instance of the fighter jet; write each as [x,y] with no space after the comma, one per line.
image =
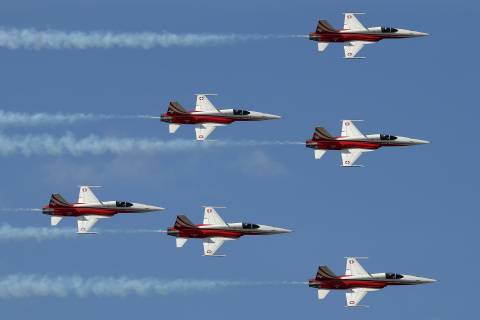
[214,231]
[206,117]
[89,209]
[352,143]
[354,35]
[357,282]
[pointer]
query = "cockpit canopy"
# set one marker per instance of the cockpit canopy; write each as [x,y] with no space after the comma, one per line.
[240,112]
[393,276]
[389,30]
[387,137]
[123,204]
[250,226]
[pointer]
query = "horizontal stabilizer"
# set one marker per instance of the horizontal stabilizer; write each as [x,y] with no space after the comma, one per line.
[55,220]
[319,153]
[181,241]
[322,293]
[172,127]
[322,45]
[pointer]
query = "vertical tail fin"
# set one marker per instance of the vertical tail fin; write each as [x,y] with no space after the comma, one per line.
[325,27]
[176,108]
[321,134]
[57,201]
[183,222]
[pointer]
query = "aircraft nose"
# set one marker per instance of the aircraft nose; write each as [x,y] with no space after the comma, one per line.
[272,116]
[153,208]
[418,141]
[280,230]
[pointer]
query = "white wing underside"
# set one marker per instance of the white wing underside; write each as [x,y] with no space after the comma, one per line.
[355,295]
[353,47]
[351,22]
[211,217]
[203,130]
[86,196]
[212,244]
[203,104]
[88,221]
[349,156]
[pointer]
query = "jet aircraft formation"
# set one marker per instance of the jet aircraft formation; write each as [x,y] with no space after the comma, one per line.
[214,231]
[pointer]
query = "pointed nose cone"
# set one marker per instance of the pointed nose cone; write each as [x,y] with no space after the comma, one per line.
[419,34]
[280,230]
[426,280]
[271,116]
[418,141]
[153,208]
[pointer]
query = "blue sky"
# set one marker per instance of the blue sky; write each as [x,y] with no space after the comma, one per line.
[411,210]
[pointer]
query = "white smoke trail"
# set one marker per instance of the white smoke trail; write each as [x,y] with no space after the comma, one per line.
[13,38]
[21,119]
[9,233]
[20,209]
[24,286]
[49,145]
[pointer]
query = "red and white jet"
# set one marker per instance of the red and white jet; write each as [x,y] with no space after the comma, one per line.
[357,282]
[353,143]
[214,231]
[354,35]
[89,209]
[206,117]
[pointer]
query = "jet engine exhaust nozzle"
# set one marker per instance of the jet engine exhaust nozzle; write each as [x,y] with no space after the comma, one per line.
[314,37]
[166,119]
[50,212]
[174,233]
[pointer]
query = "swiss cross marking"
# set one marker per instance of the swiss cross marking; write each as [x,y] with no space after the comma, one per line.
[352,302]
[349,54]
[200,136]
[209,251]
[201,98]
[209,210]
[351,261]
[348,162]
[84,190]
[347,123]
[82,229]
[349,17]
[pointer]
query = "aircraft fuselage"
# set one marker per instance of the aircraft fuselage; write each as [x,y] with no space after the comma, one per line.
[373,142]
[375,281]
[107,208]
[232,230]
[226,116]
[371,34]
